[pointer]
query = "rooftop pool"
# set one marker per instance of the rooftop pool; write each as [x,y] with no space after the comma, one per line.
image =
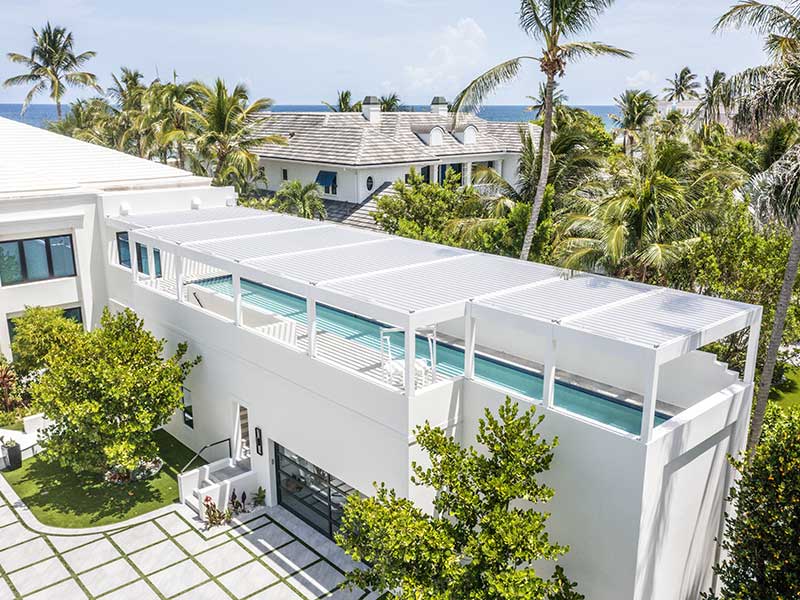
[449,359]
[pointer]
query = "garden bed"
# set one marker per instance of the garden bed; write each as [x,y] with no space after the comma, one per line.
[60,498]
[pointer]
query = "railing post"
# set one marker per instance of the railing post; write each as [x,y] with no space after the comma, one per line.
[311,326]
[470,333]
[410,352]
[151,263]
[134,254]
[179,277]
[237,299]
[549,375]
[650,394]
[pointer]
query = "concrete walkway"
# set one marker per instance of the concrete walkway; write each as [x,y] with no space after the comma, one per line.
[266,555]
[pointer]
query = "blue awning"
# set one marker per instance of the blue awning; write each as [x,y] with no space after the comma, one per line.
[326,178]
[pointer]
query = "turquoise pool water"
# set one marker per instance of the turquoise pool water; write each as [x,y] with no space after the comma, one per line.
[449,359]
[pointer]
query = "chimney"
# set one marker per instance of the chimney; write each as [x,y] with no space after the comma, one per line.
[439,105]
[371,109]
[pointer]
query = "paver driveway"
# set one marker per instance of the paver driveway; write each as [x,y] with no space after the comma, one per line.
[269,555]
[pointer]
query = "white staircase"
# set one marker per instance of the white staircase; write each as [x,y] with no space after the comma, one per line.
[216,480]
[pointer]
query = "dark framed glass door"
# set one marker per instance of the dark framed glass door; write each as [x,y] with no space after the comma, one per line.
[309,492]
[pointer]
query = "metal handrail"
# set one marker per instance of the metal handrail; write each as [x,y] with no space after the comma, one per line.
[206,447]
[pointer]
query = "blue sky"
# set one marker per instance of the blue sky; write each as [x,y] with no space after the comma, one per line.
[302,52]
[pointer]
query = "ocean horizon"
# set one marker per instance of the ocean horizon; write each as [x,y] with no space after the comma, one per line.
[39,114]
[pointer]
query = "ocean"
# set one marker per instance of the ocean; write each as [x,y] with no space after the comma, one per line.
[40,114]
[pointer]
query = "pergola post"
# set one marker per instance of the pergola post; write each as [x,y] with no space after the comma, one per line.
[410,354]
[549,375]
[650,395]
[179,277]
[752,351]
[470,335]
[151,264]
[237,299]
[311,326]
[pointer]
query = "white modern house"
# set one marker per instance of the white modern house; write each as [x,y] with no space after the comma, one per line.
[324,346]
[357,156]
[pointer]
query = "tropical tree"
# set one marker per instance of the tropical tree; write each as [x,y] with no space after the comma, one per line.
[560,100]
[344,103]
[37,331]
[714,99]
[301,200]
[486,531]
[636,109]
[779,23]
[550,22]
[682,86]
[52,64]
[390,102]
[225,129]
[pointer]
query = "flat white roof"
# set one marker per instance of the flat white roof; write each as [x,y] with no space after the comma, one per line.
[406,282]
[35,160]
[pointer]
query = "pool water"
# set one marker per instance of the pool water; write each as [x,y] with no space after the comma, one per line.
[449,359]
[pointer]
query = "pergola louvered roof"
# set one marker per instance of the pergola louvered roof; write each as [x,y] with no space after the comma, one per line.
[408,282]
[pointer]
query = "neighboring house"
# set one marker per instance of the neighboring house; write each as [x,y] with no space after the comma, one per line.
[688,108]
[355,157]
[324,346]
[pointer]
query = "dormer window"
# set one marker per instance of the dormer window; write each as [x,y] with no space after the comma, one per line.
[432,136]
[467,134]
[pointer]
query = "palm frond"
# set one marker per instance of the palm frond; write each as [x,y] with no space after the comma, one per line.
[472,96]
[573,51]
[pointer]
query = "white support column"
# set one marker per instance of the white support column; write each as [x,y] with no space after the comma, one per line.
[752,352]
[470,335]
[237,299]
[179,277]
[650,395]
[134,258]
[467,178]
[435,173]
[498,166]
[311,326]
[411,351]
[549,375]
[151,264]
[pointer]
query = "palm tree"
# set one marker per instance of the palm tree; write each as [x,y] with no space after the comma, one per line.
[549,21]
[778,23]
[344,103]
[636,109]
[301,200]
[714,99]
[537,107]
[769,93]
[682,87]
[225,129]
[52,63]
[390,103]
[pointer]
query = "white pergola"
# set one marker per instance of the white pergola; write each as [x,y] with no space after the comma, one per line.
[411,284]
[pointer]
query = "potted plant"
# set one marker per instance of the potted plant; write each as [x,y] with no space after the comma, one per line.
[13,452]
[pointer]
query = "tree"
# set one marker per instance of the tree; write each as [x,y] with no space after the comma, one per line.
[682,86]
[636,109]
[549,21]
[106,392]
[560,100]
[779,24]
[761,534]
[38,331]
[52,63]
[225,130]
[486,529]
[714,99]
[390,102]
[301,200]
[344,103]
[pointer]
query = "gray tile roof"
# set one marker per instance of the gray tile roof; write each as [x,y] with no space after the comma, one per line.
[350,139]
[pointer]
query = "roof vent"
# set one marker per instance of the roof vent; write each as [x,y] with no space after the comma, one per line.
[196,203]
[124,209]
[371,109]
[439,105]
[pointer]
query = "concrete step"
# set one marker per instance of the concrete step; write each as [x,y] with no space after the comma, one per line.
[193,503]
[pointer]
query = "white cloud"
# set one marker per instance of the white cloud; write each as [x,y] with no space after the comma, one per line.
[643,79]
[456,51]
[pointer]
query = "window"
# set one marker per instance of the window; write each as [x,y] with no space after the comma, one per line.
[426,173]
[188,409]
[36,259]
[370,184]
[74,314]
[142,261]
[327,180]
[285,174]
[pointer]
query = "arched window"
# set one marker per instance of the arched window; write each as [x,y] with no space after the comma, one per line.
[370,183]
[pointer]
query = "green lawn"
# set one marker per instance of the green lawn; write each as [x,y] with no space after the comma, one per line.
[15,426]
[60,498]
[787,394]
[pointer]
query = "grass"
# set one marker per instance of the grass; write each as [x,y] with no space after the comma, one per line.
[15,426]
[787,393]
[61,498]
